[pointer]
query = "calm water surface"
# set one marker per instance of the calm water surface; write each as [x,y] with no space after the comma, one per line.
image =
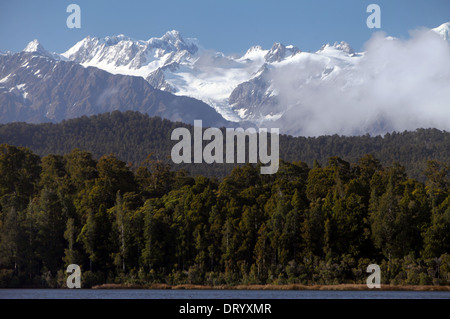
[214,294]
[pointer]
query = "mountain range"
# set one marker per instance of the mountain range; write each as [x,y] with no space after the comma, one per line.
[176,78]
[238,87]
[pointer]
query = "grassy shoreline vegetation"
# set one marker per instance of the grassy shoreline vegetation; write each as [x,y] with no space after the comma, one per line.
[341,287]
[150,225]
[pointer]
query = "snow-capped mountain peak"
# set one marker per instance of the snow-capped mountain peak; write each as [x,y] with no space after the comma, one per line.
[35,47]
[345,47]
[279,51]
[342,46]
[255,52]
[254,48]
[443,30]
[173,37]
[121,51]
[246,87]
[113,40]
[173,41]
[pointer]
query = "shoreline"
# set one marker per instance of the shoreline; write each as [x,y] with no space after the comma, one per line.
[342,287]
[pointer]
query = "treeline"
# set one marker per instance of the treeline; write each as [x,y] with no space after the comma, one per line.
[132,136]
[152,224]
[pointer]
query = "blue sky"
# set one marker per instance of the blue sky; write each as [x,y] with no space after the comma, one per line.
[230,26]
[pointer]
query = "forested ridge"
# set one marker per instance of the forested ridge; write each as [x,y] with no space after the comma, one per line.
[151,223]
[132,136]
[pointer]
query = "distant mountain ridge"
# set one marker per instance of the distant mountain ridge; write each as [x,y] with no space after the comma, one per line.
[238,87]
[252,89]
[34,87]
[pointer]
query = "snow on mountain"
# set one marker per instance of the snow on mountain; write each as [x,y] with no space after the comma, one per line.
[258,100]
[35,88]
[181,66]
[337,49]
[36,48]
[278,52]
[443,30]
[251,87]
[121,54]
[255,53]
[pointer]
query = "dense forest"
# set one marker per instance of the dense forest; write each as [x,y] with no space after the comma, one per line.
[132,136]
[151,223]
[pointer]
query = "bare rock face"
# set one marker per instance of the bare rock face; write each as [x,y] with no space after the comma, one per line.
[254,99]
[279,51]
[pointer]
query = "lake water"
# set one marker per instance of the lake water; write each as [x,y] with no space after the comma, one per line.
[214,294]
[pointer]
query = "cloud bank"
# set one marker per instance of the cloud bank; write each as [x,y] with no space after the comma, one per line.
[397,85]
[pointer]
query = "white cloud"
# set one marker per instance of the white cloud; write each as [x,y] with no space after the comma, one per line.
[397,85]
